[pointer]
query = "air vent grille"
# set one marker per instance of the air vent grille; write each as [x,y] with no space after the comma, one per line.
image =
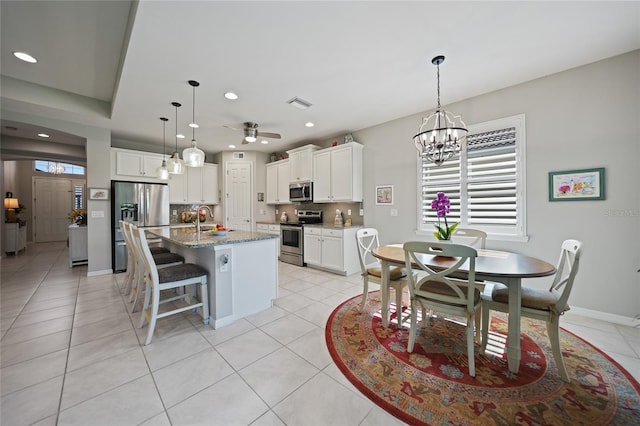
[238,155]
[299,103]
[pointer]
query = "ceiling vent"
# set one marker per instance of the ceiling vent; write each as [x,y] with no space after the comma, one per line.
[238,155]
[299,103]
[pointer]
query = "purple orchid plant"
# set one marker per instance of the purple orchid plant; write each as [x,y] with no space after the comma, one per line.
[442,205]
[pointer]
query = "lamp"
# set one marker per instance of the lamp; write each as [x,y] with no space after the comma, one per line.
[56,168]
[193,157]
[11,204]
[175,163]
[163,172]
[441,133]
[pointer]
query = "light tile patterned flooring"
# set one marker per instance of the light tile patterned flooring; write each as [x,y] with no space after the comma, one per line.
[71,354]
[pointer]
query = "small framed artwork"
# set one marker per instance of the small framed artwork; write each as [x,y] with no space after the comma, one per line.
[577,185]
[100,194]
[384,195]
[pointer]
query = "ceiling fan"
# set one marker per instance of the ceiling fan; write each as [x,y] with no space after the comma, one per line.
[251,133]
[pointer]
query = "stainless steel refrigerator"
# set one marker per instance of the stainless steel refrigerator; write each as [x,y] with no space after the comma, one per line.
[143,204]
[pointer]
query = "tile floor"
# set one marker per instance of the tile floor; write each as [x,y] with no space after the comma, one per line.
[71,354]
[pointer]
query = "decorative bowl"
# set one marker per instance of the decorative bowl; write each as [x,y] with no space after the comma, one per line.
[219,233]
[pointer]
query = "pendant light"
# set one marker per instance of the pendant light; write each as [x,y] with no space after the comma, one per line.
[175,163]
[163,172]
[441,133]
[193,156]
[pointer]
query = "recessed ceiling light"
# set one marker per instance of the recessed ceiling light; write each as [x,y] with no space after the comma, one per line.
[230,95]
[309,124]
[193,125]
[232,146]
[25,57]
[264,141]
[43,135]
[180,136]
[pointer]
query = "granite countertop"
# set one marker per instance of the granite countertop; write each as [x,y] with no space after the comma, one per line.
[268,222]
[186,237]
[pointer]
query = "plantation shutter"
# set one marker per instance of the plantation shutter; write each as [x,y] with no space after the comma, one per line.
[491,178]
[485,182]
[444,178]
[78,196]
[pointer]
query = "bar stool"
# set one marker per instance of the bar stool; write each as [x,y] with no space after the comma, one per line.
[162,260]
[157,280]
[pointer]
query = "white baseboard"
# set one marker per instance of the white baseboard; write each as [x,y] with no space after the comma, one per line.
[97,273]
[605,316]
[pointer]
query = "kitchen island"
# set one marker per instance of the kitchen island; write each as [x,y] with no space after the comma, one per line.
[242,266]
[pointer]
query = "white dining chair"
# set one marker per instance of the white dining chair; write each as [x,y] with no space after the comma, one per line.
[187,275]
[471,237]
[370,270]
[545,305]
[440,291]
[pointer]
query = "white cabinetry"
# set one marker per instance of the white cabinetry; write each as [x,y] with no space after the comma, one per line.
[136,164]
[77,245]
[202,184]
[15,237]
[177,189]
[268,228]
[301,163]
[333,249]
[337,174]
[277,182]
[199,185]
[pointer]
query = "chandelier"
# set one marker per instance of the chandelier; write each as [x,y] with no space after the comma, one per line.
[441,133]
[56,168]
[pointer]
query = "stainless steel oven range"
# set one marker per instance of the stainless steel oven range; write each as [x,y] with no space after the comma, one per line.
[292,237]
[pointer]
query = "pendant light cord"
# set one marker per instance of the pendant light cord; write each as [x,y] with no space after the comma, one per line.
[193,121]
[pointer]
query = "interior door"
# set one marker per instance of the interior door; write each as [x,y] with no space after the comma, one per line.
[52,204]
[238,189]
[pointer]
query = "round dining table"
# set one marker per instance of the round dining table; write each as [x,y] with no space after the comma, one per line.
[491,265]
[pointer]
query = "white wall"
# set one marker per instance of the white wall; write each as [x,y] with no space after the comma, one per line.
[585,117]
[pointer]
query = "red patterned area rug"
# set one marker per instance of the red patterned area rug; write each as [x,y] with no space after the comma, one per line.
[432,386]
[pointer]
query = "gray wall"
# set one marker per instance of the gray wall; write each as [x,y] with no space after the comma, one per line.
[581,118]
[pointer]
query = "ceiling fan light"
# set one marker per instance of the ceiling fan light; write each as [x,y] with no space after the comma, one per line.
[250,139]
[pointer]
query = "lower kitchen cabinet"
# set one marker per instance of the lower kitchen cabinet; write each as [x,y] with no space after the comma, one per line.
[332,249]
[268,228]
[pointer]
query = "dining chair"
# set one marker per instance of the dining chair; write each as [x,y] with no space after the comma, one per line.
[187,275]
[129,278]
[470,237]
[545,305]
[162,260]
[437,290]
[370,270]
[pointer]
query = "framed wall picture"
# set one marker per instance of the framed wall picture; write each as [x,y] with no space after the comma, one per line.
[98,194]
[577,185]
[384,195]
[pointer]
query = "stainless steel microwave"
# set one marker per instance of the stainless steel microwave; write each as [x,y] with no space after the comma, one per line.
[301,191]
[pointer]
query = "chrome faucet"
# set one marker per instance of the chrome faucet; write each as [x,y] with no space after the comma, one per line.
[198,217]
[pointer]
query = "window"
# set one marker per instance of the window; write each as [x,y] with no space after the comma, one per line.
[485,183]
[69,169]
[78,196]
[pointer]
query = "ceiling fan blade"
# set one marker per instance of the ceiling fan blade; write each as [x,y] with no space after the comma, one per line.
[270,135]
[244,142]
[231,127]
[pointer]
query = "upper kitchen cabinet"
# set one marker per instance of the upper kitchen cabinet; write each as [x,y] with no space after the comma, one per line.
[199,185]
[202,184]
[301,163]
[278,182]
[337,174]
[134,164]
